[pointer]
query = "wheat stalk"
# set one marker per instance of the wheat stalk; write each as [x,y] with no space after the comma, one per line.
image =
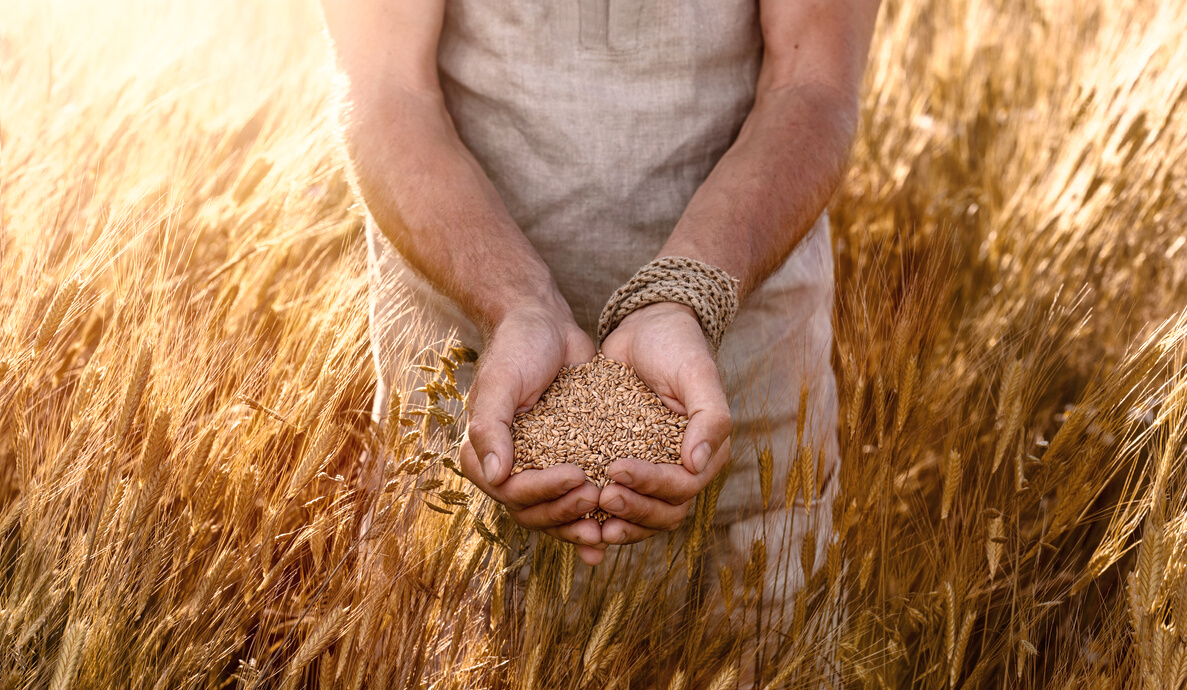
[728,677]
[532,665]
[855,405]
[725,579]
[322,636]
[568,564]
[956,663]
[1009,410]
[805,460]
[151,461]
[954,469]
[677,681]
[756,566]
[766,473]
[906,394]
[1151,563]
[600,636]
[135,390]
[69,654]
[880,407]
[61,304]
[994,541]
[808,552]
[950,628]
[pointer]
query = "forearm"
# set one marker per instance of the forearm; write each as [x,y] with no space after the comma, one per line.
[435,204]
[772,184]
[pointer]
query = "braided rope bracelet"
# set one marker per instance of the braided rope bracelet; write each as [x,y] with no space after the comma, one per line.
[709,291]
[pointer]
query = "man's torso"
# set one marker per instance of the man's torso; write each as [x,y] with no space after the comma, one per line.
[597,120]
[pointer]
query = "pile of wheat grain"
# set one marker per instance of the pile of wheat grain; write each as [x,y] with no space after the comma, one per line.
[592,415]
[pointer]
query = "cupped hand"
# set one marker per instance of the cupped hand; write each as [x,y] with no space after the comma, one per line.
[665,345]
[521,358]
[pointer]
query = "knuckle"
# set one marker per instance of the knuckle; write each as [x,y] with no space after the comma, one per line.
[672,519]
[570,534]
[639,534]
[634,513]
[723,420]
[467,457]
[471,473]
[474,475]
[627,535]
[556,513]
[511,503]
[663,481]
[682,496]
[480,431]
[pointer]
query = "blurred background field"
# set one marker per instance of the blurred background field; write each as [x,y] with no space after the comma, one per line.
[185,384]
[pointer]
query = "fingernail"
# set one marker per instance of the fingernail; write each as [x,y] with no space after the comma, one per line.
[615,505]
[490,467]
[623,477]
[584,505]
[700,456]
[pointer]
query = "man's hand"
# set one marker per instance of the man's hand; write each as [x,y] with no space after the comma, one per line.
[521,358]
[665,345]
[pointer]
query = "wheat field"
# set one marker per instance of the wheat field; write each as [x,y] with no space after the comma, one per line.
[185,384]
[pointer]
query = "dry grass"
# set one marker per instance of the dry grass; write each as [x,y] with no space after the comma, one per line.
[184,384]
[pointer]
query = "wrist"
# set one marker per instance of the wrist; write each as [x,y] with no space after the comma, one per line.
[545,304]
[708,291]
[659,310]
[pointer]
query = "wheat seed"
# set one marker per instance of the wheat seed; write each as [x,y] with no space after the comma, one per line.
[592,415]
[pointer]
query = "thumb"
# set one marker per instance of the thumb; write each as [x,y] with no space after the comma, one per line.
[491,405]
[579,349]
[709,420]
